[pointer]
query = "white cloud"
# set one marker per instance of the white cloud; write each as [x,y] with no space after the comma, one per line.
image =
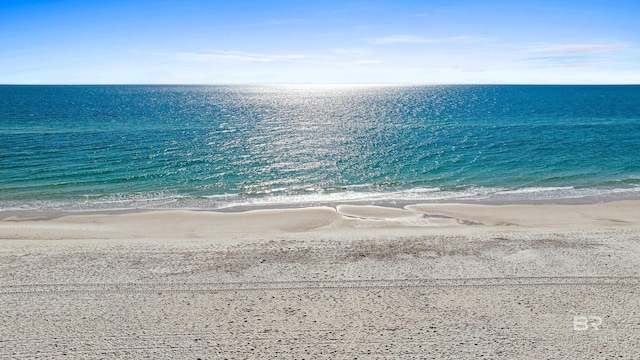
[401,39]
[560,61]
[238,56]
[366,62]
[414,39]
[572,55]
[578,48]
[355,51]
[467,38]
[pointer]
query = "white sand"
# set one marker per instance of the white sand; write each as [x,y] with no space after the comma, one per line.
[427,281]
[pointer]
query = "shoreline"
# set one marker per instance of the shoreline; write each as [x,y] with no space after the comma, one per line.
[232,203]
[320,220]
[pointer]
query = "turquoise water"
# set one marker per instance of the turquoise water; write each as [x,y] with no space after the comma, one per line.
[211,147]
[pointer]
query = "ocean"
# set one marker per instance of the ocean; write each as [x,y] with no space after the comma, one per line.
[112,147]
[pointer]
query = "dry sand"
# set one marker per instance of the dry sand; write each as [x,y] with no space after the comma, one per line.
[425,281]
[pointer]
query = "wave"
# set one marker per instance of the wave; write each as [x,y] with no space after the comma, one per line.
[312,197]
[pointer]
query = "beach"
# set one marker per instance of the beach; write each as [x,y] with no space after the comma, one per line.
[346,281]
[284,221]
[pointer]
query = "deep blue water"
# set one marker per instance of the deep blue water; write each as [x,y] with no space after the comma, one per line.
[108,147]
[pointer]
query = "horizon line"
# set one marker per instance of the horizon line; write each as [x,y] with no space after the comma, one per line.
[318,84]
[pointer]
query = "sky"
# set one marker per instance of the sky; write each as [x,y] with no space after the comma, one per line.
[326,42]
